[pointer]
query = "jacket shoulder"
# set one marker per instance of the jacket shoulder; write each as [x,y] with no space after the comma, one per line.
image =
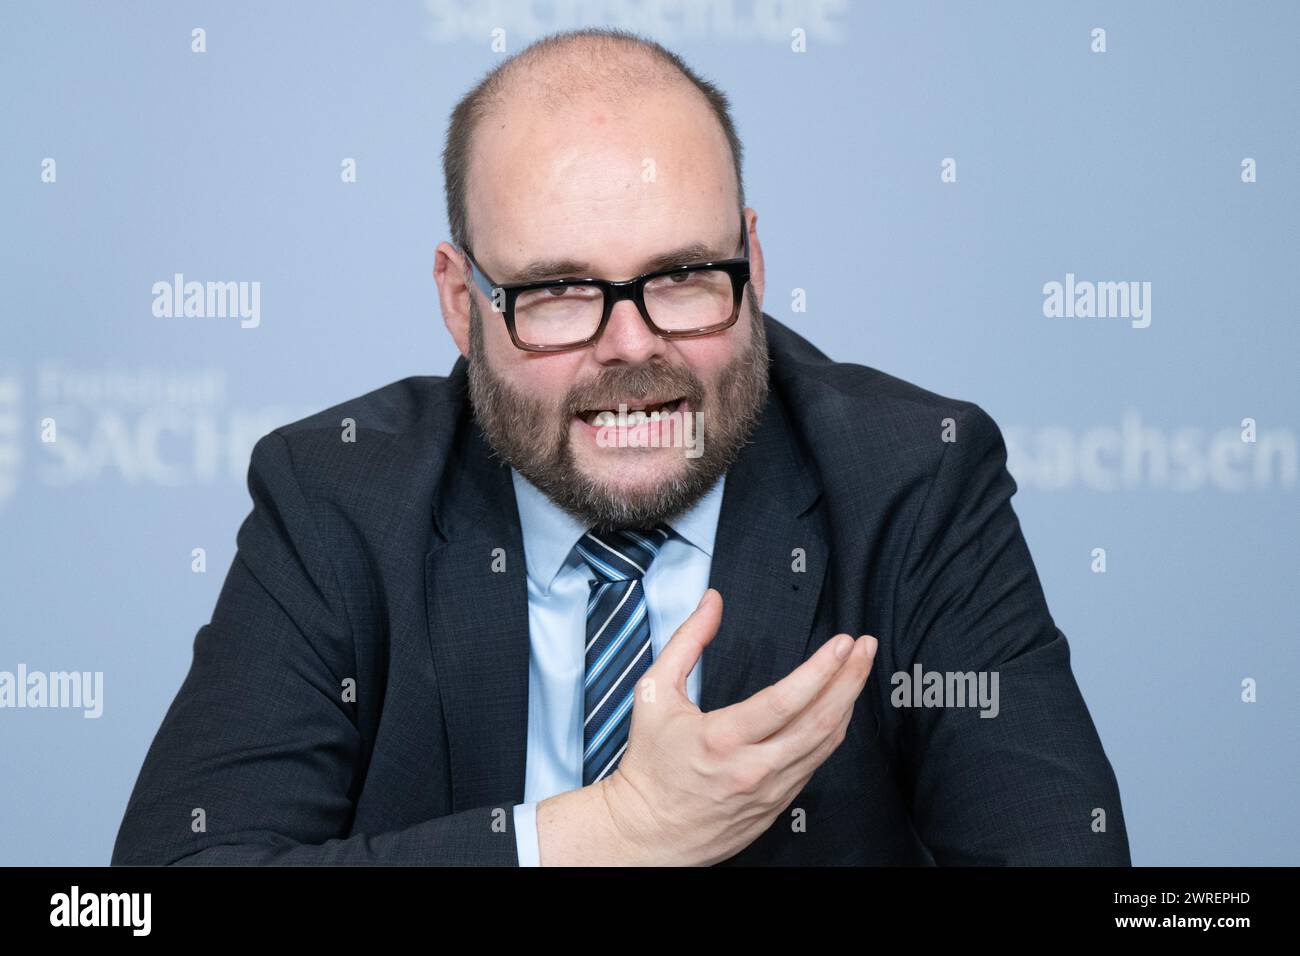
[861,404]
[395,436]
[390,409]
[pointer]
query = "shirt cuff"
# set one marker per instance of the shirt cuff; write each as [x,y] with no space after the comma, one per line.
[525,815]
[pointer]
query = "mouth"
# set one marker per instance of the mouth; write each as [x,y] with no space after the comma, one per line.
[638,412]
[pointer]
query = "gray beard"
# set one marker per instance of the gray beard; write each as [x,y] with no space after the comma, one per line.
[533,437]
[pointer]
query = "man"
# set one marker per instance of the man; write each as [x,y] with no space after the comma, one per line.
[591,598]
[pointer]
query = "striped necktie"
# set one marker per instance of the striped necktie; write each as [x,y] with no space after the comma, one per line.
[618,649]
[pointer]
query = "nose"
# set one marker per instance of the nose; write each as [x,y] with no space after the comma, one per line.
[627,338]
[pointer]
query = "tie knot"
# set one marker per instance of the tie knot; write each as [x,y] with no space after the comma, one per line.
[622,555]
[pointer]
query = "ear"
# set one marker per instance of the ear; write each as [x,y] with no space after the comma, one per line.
[450,271]
[755,257]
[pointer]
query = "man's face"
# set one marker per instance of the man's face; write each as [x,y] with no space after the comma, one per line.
[575,187]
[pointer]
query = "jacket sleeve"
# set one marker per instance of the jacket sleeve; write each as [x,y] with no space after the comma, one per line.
[1031,785]
[258,759]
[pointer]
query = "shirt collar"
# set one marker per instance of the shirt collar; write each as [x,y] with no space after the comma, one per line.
[550,532]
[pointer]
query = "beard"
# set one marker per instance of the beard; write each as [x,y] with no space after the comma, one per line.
[534,436]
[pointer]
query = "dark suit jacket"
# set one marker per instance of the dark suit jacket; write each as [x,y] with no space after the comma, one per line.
[371,561]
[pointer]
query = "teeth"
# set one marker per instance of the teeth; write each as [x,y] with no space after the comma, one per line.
[638,416]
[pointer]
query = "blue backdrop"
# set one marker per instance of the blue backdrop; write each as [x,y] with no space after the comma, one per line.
[922,171]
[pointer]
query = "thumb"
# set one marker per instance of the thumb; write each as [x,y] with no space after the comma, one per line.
[686,645]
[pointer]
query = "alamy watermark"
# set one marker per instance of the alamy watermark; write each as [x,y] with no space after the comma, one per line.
[208,300]
[658,429]
[922,688]
[75,908]
[76,690]
[1098,300]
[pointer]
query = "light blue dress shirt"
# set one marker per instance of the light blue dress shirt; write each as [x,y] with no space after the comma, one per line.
[557,625]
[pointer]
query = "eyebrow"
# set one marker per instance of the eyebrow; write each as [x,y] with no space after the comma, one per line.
[540,269]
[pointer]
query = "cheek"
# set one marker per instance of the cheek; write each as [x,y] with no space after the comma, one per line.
[710,357]
[544,379]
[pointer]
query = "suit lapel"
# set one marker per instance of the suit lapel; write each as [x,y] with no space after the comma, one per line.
[768,607]
[478,625]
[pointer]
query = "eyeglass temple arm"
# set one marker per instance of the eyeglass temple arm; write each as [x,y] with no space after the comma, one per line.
[482,281]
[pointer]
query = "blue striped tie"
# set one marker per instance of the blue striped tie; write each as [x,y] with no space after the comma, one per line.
[618,641]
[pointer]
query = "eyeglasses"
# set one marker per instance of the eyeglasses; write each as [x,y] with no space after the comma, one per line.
[557,315]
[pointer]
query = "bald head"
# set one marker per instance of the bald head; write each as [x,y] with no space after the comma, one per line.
[595,76]
[561,70]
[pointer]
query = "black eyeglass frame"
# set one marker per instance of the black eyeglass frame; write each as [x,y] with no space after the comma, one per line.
[614,292]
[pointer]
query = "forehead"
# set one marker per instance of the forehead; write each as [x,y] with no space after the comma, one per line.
[600,181]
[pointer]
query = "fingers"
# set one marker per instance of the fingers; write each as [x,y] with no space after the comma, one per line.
[772,708]
[829,712]
[686,645]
